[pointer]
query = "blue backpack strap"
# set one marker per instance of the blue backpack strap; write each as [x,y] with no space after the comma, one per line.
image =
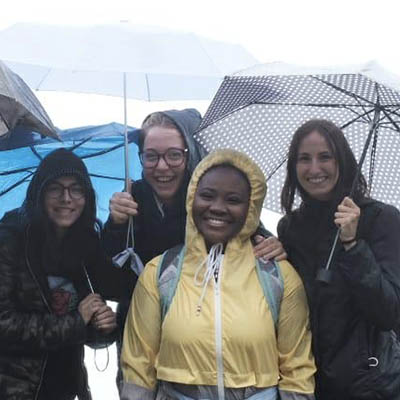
[168,272]
[271,281]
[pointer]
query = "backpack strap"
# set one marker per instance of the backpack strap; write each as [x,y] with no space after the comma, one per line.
[168,272]
[271,281]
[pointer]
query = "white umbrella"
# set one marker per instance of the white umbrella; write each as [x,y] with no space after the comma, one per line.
[159,64]
[145,63]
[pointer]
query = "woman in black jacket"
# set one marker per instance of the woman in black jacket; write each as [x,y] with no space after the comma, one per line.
[352,317]
[50,264]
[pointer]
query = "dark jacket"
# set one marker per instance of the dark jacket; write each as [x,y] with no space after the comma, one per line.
[30,333]
[154,232]
[353,317]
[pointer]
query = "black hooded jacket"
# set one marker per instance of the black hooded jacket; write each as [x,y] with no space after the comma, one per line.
[353,317]
[153,232]
[41,351]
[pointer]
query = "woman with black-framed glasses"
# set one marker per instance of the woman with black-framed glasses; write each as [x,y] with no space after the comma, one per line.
[173,157]
[169,155]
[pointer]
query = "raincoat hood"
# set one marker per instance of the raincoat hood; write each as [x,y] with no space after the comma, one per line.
[258,190]
[187,122]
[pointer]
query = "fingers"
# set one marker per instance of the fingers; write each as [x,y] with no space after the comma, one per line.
[122,206]
[346,217]
[348,202]
[269,248]
[105,319]
[89,305]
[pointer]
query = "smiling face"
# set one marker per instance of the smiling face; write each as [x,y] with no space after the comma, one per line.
[220,205]
[164,180]
[63,211]
[316,167]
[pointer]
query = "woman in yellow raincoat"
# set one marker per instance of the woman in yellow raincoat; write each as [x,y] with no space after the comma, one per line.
[218,339]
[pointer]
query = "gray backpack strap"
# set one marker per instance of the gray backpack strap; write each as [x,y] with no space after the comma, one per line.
[168,272]
[269,274]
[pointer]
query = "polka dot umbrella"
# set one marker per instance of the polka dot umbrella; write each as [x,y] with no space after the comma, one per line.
[258,110]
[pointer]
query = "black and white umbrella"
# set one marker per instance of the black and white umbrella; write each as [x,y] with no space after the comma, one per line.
[258,110]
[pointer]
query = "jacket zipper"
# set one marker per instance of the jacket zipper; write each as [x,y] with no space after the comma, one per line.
[218,335]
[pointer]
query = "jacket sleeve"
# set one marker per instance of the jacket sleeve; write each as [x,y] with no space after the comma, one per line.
[372,269]
[296,362]
[113,237]
[261,230]
[31,331]
[142,338]
[111,282]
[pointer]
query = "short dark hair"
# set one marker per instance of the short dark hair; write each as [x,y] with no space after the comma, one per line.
[344,157]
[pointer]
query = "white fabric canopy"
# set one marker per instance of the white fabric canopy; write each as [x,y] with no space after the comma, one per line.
[159,64]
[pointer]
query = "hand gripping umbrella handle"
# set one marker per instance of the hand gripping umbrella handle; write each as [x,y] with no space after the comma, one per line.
[324,274]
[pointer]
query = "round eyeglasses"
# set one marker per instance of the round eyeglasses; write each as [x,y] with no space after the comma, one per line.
[56,191]
[173,157]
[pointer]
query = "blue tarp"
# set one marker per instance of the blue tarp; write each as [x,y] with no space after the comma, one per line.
[100,147]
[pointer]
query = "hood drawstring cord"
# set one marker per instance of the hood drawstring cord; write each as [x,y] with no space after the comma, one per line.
[212,263]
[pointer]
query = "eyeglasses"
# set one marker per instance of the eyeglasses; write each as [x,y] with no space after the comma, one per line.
[173,157]
[56,191]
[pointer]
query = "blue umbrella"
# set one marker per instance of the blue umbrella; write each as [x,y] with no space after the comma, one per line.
[101,148]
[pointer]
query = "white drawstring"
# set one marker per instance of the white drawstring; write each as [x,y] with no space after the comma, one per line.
[212,263]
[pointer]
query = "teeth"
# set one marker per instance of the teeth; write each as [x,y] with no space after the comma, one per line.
[164,179]
[316,180]
[217,222]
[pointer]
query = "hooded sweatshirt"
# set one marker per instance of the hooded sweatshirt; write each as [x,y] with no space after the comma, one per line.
[157,231]
[224,339]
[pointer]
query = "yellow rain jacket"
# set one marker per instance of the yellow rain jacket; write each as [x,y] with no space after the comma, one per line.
[183,348]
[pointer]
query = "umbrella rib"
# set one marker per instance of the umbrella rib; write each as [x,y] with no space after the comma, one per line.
[20,182]
[276,169]
[5,121]
[34,151]
[332,105]
[107,177]
[44,77]
[148,87]
[393,111]
[344,91]
[83,141]
[394,123]
[359,116]
[16,171]
[384,110]
[99,153]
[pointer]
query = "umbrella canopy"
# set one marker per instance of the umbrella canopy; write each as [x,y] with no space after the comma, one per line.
[159,64]
[258,110]
[19,107]
[100,147]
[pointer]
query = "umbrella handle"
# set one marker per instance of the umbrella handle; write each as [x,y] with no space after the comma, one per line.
[324,275]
